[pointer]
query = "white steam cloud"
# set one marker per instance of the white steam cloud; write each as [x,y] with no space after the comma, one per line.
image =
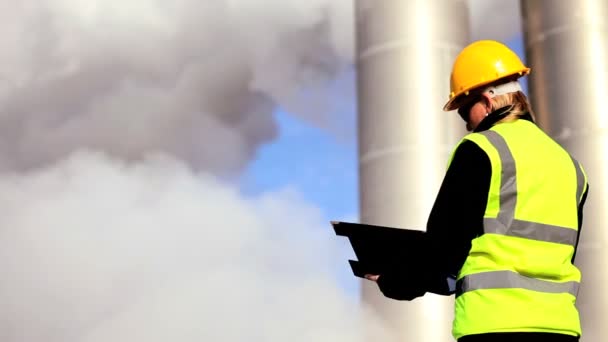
[116,120]
[195,79]
[143,76]
[95,250]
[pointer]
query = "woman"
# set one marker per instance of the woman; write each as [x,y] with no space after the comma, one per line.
[507,218]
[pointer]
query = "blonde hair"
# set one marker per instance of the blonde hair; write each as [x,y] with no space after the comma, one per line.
[519,105]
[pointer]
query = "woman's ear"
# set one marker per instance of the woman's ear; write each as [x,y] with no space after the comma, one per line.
[487,102]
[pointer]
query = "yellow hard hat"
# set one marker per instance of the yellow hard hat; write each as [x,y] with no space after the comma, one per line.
[481,63]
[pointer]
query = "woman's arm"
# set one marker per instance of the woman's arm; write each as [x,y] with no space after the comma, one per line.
[455,220]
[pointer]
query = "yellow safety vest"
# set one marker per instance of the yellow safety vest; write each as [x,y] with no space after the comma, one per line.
[518,276]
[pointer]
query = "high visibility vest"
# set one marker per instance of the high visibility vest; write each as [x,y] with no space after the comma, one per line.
[519,276]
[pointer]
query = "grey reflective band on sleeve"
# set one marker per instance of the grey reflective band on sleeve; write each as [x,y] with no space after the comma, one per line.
[505,223]
[580,181]
[512,280]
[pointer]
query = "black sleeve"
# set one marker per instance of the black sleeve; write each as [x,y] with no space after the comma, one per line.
[580,220]
[455,220]
[457,215]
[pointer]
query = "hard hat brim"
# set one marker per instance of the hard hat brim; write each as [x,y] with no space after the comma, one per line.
[458,99]
[454,103]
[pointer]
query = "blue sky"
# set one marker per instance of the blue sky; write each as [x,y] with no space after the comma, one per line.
[316,163]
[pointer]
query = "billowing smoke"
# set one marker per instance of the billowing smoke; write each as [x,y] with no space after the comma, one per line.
[95,250]
[142,76]
[195,79]
[116,120]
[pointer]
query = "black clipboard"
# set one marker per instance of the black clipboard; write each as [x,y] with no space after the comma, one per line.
[379,249]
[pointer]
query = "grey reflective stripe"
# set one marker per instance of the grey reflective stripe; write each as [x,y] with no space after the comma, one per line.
[512,280]
[580,180]
[508,181]
[532,230]
[505,223]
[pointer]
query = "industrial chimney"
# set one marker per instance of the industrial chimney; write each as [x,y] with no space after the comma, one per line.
[567,48]
[405,51]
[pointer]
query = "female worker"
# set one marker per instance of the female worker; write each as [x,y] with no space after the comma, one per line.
[506,221]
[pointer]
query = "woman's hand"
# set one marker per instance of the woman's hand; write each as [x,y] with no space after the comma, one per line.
[372,277]
[397,285]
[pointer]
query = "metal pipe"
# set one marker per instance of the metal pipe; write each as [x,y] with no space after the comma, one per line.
[567,48]
[405,51]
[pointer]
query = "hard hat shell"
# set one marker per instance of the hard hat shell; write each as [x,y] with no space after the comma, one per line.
[481,63]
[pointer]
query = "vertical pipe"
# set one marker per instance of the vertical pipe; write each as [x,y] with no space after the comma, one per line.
[567,48]
[405,51]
